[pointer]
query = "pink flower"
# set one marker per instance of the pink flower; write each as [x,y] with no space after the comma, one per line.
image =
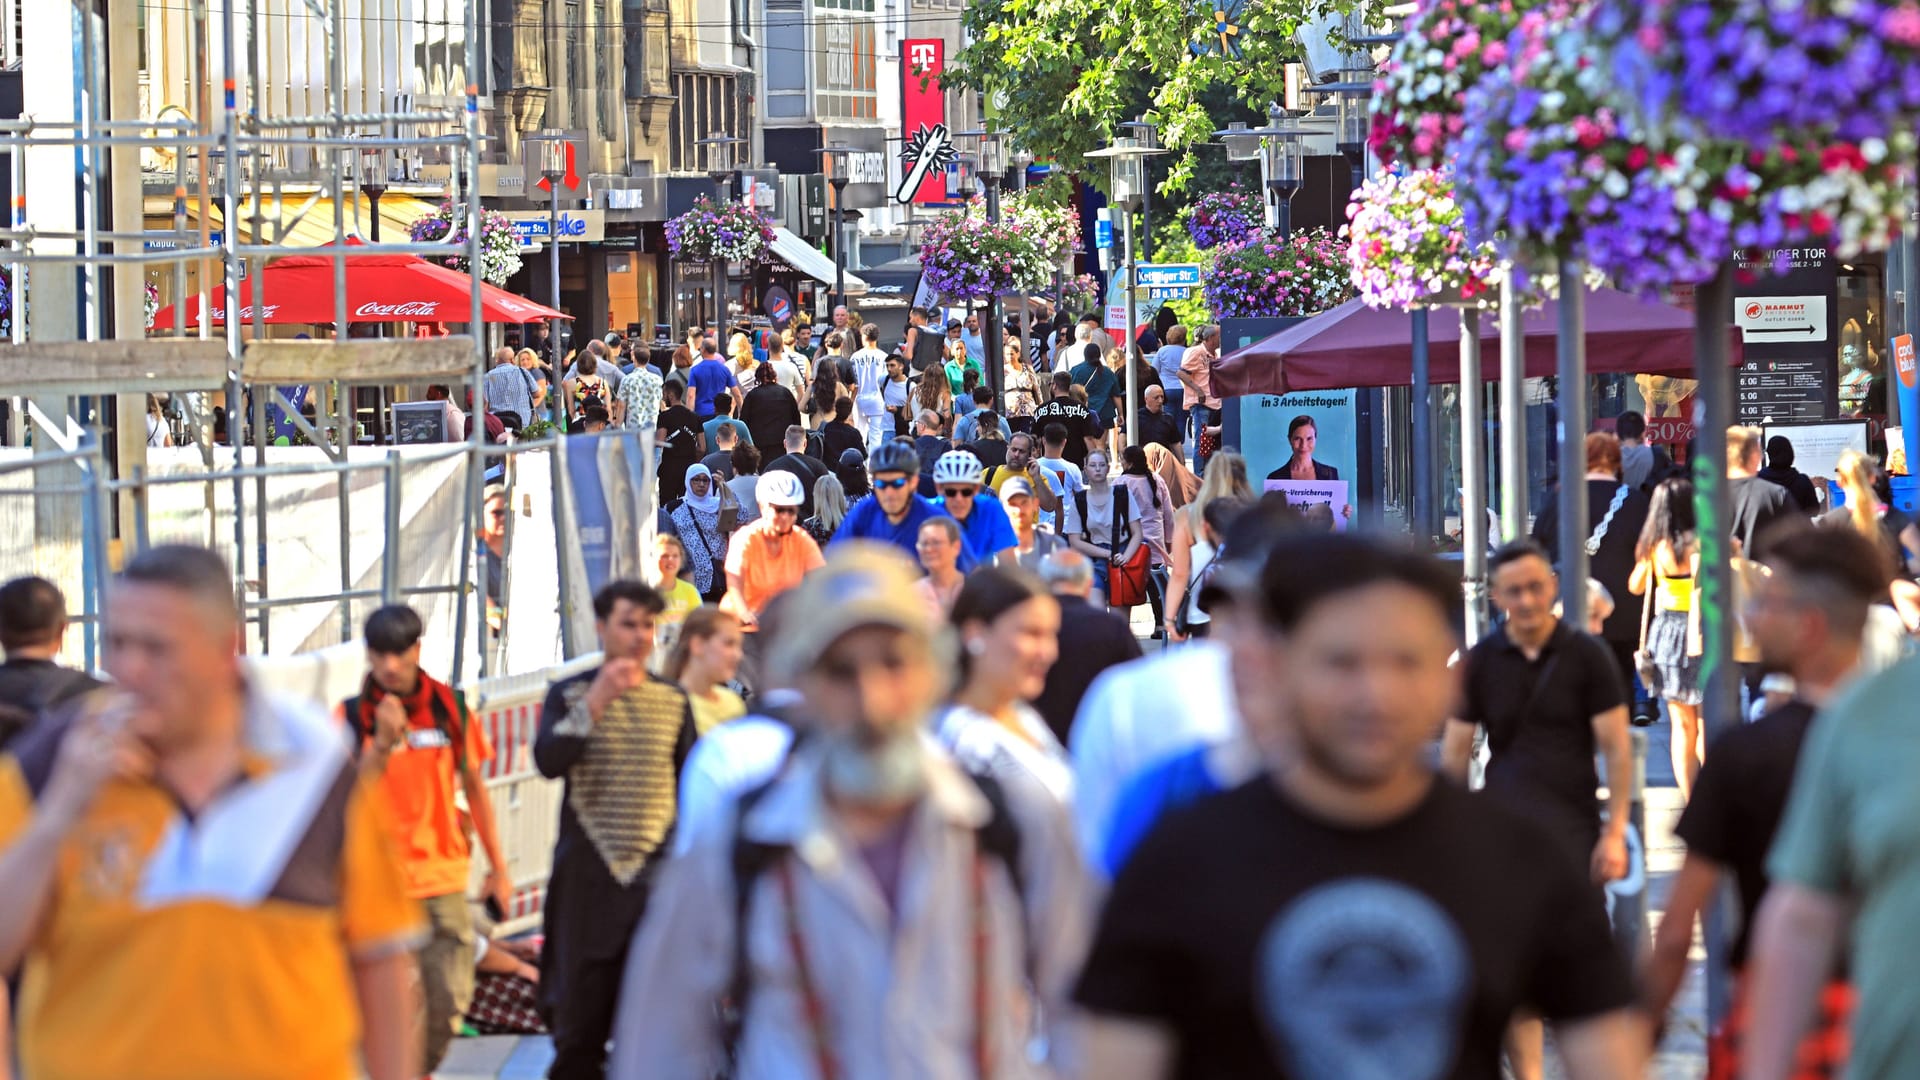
[1517,140]
[1495,54]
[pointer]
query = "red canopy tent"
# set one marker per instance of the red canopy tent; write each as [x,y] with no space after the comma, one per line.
[1355,345]
[380,288]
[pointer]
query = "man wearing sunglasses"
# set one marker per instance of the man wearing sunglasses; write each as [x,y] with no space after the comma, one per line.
[986,533]
[894,512]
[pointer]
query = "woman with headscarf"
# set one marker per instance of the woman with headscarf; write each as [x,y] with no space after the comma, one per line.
[1182,485]
[702,532]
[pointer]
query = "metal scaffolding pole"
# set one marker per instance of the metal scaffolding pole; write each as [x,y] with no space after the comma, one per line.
[1513,413]
[1473,476]
[1572,370]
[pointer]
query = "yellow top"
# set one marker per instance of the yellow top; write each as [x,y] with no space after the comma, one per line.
[1672,593]
[710,711]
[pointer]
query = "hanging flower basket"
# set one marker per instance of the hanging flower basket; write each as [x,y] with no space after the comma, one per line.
[1407,243]
[734,232]
[499,242]
[1223,217]
[1077,290]
[1449,47]
[1548,168]
[1054,227]
[1766,72]
[1264,276]
[6,306]
[963,256]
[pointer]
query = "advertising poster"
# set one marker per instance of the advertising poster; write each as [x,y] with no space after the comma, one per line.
[1908,388]
[1264,419]
[609,499]
[927,145]
[1323,503]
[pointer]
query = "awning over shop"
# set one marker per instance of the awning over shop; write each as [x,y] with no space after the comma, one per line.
[301,220]
[803,257]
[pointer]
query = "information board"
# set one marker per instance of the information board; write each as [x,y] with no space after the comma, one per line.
[1796,388]
[1817,447]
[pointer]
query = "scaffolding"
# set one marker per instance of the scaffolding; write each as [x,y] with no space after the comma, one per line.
[60,367]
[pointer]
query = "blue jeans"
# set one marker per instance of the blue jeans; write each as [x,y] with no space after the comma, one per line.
[1176,406]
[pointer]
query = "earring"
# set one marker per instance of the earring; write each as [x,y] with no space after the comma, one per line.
[975,647]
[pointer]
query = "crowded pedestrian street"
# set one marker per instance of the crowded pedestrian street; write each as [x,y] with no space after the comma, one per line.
[814,540]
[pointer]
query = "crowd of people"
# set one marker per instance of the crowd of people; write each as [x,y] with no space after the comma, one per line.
[873,780]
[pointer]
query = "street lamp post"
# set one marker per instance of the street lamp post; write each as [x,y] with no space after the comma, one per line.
[993,168]
[1129,184]
[1144,130]
[376,171]
[551,155]
[1281,154]
[835,155]
[720,150]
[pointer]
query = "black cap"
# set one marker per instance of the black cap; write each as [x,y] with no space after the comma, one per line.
[1243,552]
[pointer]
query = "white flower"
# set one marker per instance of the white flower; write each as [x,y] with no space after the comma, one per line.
[1614,185]
[1874,150]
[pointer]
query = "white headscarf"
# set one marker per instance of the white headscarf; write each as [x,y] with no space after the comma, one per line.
[710,504]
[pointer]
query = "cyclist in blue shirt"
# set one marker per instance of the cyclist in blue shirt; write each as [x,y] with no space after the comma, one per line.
[894,512]
[986,534]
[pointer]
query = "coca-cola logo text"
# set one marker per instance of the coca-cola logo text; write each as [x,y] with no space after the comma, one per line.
[412,309]
[246,313]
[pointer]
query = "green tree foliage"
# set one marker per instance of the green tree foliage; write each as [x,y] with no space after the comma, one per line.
[1061,73]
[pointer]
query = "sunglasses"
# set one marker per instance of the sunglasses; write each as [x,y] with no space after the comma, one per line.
[894,484]
[957,493]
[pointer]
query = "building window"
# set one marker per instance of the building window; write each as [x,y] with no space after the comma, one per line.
[703,103]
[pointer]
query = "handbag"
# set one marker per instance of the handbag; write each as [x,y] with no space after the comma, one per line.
[1643,664]
[1126,581]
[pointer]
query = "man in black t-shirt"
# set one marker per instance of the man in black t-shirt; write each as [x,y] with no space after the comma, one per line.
[1083,427]
[681,441]
[1348,913]
[807,468]
[1807,618]
[33,622]
[1548,695]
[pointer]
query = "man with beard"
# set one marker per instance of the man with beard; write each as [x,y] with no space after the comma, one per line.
[618,737]
[1807,617]
[874,911]
[1348,912]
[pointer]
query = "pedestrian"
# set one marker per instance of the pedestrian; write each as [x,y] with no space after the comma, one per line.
[1081,429]
[1352,914]
[1641,465]
[705,658]
[839,434]
[930,445]
[705,528]
[896,396]
[585,389]
[938,549]
[1548,696]
[767,557]
[871,374]
[1111,536]
[681,444]
[743,489]
[725,441]
[1147,491]
[418,742]
[1667,558]
[970,334]
[1203,405]
[33,623]
[933,394]
[851,469]
[722,420]
[1032,542]
[990,444]
[966,429]
[1171,467]
[679,594]
[710,379]
[1194,543]
[636,404]
[1156,424]
[1166,364]
[987,533]
[1020,466]
[1808,617]
[894,512]
[1021,386]
[958,363]
[829,509]
[925,346]
[1062,475]
[1780,471]
[1756,504]
[618,737]
[188,847]
[1009,627]
[1095,639]
[768,415]
[1198,760]
[786,372]
[970,905]
[1617,511]
[604,367]
[510,391]
[804,466]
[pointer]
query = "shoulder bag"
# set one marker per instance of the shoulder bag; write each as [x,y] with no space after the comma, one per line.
[1643,664]
[1126,581]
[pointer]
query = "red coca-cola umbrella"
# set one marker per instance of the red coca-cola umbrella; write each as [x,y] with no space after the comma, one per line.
[380,288]
[1355,345]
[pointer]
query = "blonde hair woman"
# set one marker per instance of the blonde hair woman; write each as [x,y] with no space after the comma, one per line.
[529,362]
[1859,476]
[1190,549]
[740,351]
[704,659]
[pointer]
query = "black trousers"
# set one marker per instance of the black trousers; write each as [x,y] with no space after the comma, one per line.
[589,926]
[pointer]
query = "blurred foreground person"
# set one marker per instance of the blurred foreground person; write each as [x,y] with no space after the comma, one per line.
[1807,617]
[1348,913]
[197,884]
[874,912]
[33,622]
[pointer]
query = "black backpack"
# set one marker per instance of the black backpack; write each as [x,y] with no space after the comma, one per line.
[454,729]
[999,839]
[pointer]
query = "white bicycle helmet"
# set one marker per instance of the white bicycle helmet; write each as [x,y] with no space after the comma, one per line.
[957,467]
[779,489]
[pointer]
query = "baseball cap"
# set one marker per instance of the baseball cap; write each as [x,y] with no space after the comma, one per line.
[862,584]
[1016,485]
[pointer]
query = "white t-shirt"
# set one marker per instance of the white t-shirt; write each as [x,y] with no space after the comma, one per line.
[1100,519]
[726,762]
[983,745]
[790,377]
[1067,479]
[870,376]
